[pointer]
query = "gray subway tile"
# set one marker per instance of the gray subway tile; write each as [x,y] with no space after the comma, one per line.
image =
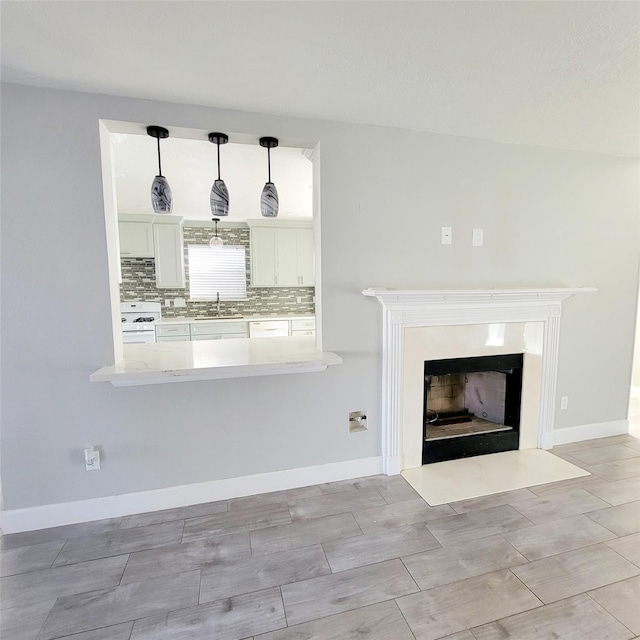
[114,543]
[567,574]
[460,561]
[452,608]
[304,533]
[228,619]
[376,547]
[235,577]
[576,618]
[61,581]
[338,592]
[87,611]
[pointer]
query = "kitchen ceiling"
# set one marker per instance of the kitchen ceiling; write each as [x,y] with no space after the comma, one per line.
[190,166]
[556,74]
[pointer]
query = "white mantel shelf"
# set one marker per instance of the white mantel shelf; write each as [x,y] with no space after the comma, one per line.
[215,359]
[390,297]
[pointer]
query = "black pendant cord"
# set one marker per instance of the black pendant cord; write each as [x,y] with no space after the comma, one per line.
[159,158]
[218,145]
[269,161]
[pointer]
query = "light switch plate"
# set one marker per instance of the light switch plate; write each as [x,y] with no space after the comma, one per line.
[447,235]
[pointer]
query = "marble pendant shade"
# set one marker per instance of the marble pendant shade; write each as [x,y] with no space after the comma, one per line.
[269,202]
[219,196]
[161,196]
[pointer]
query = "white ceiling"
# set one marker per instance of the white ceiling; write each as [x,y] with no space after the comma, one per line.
[557,74]
[190,166]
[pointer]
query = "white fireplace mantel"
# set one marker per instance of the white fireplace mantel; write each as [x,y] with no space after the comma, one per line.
[424,308]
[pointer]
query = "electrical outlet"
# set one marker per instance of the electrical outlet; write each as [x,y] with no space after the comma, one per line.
[167,303]
[447,235]
[91,459]
[299,300]
[477,238]
[564,402]
[357,421]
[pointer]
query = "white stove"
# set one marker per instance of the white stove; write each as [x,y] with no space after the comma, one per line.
[138,319]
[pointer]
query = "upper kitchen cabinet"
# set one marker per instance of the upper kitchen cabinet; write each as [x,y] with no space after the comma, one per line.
[136,235]
[281,253]
[168,241]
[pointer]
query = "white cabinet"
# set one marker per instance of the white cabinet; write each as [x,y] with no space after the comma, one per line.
[169,252]
[172,332]
[281,254]
[136,235]
[155,236]
[218,330]
[263,257]
[303,327]
[306,267]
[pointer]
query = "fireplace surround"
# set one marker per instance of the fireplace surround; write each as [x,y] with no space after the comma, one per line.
[420,325]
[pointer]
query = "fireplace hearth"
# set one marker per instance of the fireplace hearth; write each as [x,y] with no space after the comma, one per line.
[471,406]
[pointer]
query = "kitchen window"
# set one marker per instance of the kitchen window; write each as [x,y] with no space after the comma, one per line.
[217,272]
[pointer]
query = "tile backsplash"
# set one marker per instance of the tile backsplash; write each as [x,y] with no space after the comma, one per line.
[139,283]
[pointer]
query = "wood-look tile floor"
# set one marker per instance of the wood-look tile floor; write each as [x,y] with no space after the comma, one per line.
[366,559]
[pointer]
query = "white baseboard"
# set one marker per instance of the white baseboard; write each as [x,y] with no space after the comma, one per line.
[590,431]
[53,515]
[635,392]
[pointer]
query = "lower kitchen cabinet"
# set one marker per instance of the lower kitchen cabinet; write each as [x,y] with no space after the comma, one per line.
[219,330]
[224,329]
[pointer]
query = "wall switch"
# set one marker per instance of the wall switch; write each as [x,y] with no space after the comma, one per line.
[91,459]
[167,303]
[179,302]
[564,402]
[478,238]
[447,235]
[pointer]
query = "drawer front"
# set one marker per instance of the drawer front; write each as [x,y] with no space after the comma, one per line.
[304,332]
[218,336]
[215,328]
[172,339]
[305,324]
[269,328]
[172,330]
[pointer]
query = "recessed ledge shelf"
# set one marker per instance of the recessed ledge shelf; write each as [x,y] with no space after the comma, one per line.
[215,359]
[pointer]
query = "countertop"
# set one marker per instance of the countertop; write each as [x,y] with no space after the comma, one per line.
[212,359]
[189,319]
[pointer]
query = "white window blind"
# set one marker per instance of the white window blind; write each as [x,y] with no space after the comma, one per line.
[217,271]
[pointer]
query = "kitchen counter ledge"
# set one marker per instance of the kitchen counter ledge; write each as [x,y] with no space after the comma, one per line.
[214,359]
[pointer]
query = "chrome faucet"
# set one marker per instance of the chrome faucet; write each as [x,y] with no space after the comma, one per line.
[218,303]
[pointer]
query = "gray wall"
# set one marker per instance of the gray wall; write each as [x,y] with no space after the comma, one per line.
[551,218]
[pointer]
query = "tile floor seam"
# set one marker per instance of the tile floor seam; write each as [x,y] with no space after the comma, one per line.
[419,590]
[39,634]
[53,563]
[542,604]
[601,606]
[284,609]
[124,569]
[395,602]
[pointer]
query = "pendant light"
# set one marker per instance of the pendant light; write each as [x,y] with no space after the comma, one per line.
[216,240]
[269,197]
[161,198]
[219,197]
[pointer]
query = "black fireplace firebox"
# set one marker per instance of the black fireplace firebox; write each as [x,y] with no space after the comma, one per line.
[471,406]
